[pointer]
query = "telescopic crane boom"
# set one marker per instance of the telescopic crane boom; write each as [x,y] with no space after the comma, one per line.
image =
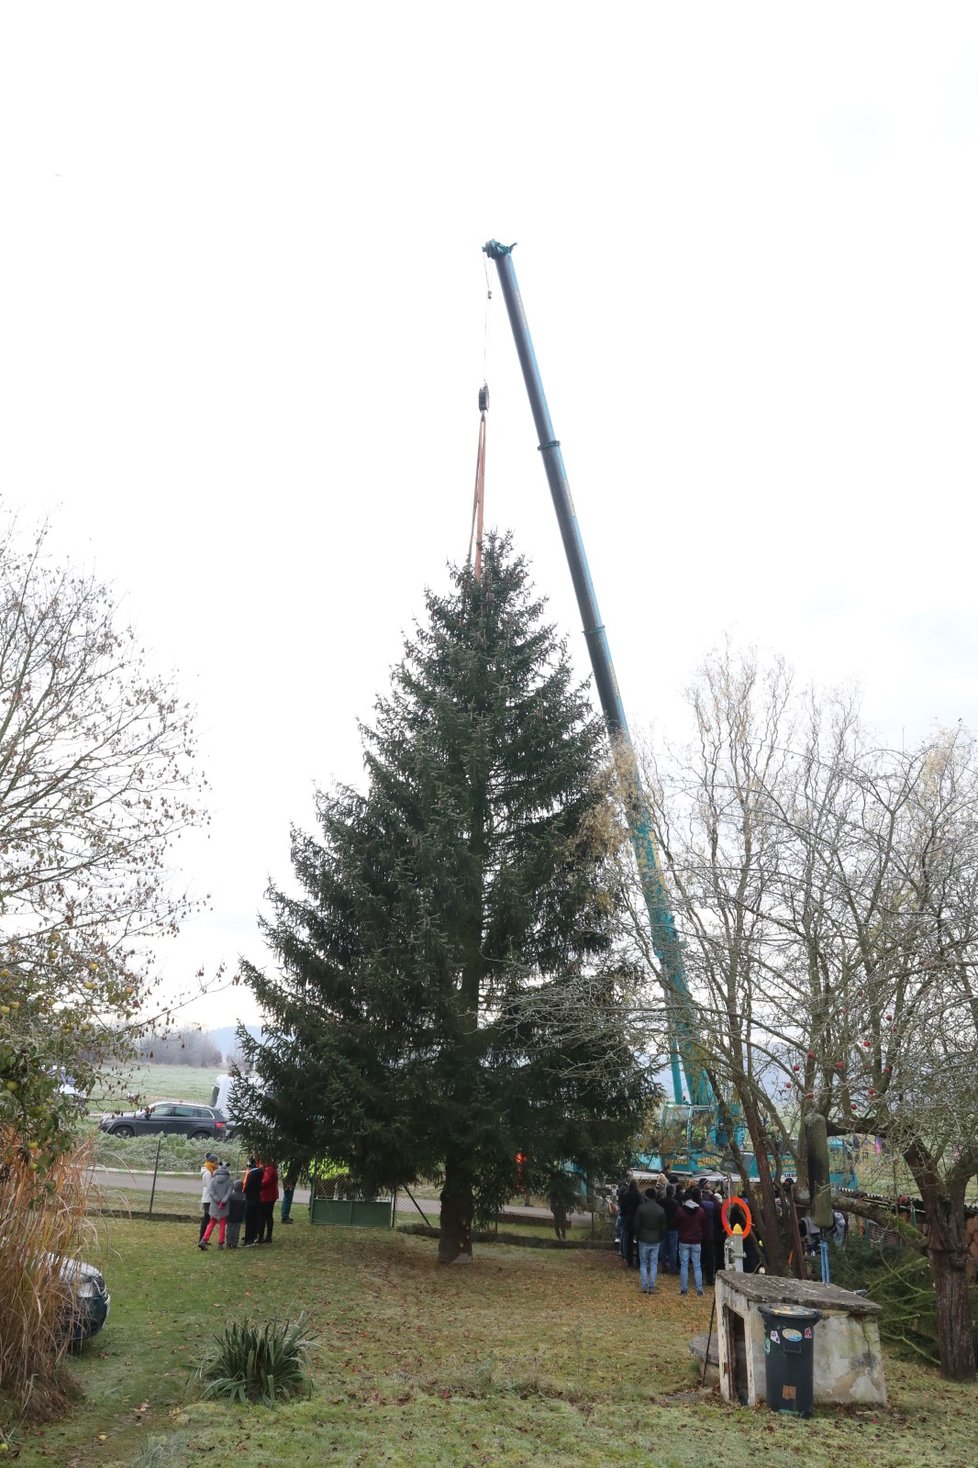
[664,938]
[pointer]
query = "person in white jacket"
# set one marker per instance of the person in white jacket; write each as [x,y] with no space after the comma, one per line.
[206,1173]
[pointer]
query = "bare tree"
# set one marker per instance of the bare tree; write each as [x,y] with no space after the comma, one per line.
[880,902]
[186,1046]
[825,889]
[96,779]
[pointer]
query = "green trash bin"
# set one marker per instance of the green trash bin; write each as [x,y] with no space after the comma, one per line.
[789,1358]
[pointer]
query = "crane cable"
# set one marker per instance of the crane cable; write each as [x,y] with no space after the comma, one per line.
[478,500]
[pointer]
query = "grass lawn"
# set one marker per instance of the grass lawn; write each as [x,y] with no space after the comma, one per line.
[150,1082]
[527,1356]
[136,1200]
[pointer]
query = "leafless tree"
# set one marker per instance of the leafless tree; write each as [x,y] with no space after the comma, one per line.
[825,891]
[96,780]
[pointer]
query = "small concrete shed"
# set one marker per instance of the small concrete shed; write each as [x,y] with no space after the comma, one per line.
[848,1360]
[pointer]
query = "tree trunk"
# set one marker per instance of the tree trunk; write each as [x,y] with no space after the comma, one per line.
[947,1250]
[948,1253]
[455,1231]
[775,1257]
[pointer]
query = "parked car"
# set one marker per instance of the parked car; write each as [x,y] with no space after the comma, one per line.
[88,1308]
[178,1118]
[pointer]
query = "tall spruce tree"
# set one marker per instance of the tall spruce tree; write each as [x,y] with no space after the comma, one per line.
[470,874]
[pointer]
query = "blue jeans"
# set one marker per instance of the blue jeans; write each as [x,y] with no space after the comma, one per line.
[670,1258]
[648,1263]
[687,1252]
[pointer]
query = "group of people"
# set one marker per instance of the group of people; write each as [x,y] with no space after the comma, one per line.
[226,1203]
[677,1227]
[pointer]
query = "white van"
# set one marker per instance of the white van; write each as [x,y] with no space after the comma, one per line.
[221,1096]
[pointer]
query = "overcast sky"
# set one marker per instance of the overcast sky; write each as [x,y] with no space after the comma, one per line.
[242,333]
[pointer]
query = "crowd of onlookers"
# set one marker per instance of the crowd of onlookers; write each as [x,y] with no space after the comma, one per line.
[677,1230]
[228,1203]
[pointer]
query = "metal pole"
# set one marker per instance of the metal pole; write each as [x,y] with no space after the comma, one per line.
[709,1338]
[156,1168]
[664,937]
[417,1205]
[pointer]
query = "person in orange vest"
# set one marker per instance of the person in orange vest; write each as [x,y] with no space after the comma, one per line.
[520,1172]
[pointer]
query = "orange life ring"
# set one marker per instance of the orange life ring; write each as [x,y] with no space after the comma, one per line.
[741,1203]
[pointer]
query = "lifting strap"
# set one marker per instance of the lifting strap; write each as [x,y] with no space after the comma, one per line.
[478,501]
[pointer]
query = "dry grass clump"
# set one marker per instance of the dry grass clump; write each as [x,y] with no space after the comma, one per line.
[42,1219]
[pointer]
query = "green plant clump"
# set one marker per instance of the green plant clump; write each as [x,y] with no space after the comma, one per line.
[258,1363]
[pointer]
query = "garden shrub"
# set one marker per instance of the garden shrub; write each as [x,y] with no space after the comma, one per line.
[42,1220]
[258,1363]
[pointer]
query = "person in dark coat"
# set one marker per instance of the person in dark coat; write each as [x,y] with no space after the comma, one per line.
[669,1254]
[561,1196]
[629,1208]
[719,1232]
[706,1249]
[620,1194]
[753,1258]
[650,1228]
[252,1194]
[236,1213]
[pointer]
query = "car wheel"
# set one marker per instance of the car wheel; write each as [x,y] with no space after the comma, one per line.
[123,1131]
[200,1136]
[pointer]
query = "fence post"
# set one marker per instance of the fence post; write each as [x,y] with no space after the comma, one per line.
[156,1168]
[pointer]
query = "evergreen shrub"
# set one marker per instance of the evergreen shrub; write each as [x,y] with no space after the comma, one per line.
[899,1279]
[258,1363]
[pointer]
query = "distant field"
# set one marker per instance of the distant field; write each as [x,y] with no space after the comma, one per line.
[153,1083]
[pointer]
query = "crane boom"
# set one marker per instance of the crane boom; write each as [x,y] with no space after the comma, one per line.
[664,937]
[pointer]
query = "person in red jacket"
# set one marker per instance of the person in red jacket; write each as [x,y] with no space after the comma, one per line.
[268,1197]
[692,1223]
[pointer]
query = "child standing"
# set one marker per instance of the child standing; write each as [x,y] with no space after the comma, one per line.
[219,1193]
[236,1212]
